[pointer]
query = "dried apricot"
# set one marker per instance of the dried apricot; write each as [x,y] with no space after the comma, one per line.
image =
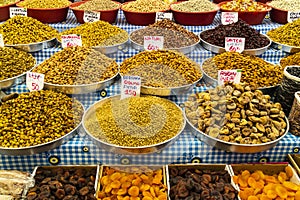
[245,174]
[255,175]
[252,198]
[289,171]
[297,195]
[270,179]
[134,191]
[261,174]
[264,197]
[122,191]
[282,177]
[289,185]
[271,194]
[281,191]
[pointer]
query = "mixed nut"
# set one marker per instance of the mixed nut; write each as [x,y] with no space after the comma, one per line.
[195,6]
[145,6]
[294,116]
[289,5]
[98,5]
[236,113]
[244,5]
[44,3]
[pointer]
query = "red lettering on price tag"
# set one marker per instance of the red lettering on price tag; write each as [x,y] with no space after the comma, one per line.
[71,40]
[130,86]
[234,44]
[34,81]
[153,42]
[229,17]
[229,76]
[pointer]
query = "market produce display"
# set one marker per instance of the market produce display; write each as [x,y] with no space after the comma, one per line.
[290,5]
[145,6]
[44,3]
[244,5]
[195,6]
[98,5]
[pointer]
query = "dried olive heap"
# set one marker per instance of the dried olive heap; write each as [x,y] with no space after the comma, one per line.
[38,117]
[287,34]
[26,30]
[236,113]
[14,62]
[77,66]
[98,5]
[145,6]
[6,2]
[253,39]
[163,68]
[175,36]
[99,33]
[290,60]
[135,121]
[255,71]
[44,3]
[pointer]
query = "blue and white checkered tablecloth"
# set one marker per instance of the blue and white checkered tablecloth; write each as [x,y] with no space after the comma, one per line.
[187,148]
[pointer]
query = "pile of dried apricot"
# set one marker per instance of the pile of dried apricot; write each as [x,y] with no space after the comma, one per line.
[260,186]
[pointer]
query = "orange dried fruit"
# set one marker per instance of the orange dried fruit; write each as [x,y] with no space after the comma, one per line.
[290,185]
[147,194]
[115,184]
[282,177]
[115,176]
[235,179]
[257,191]
[289,171]
[264,197]
[297,195]
[251,182]
[270,179]
[291,194]
[261,174]
[126,185]
[134,191]
[259,185]
[243,183]
[252,198]
[268,187]
[245,174]
[281,191]
[147,198]
[255,175]
[162,197]
[122,191]
[290,198]
[271,194]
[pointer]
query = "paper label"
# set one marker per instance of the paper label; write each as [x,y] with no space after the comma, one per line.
[91,16]
[130,86]
[229,76]
[229,17]
[163,15]
[234,44]
[1,41]
[71,40]
[34,81]
[153,42]
[13,11]
[292,16]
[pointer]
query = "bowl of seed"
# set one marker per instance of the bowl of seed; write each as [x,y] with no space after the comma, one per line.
[194,13]
[78,70]
[163,72]
[46,11]
[108,10]
[134,125]
[4,8]
[143,12]
[280,9]
[38,121]
[14,65]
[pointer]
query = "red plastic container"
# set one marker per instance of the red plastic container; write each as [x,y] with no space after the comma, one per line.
[194,18]
[109,16]
[251,18]
[48,15]
[219,1]
[139,18]
[278,15]
[4,11]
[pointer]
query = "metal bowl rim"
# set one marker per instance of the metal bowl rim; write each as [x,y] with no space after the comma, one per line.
[95,47]
[126,147]
[29,44]
[285,45]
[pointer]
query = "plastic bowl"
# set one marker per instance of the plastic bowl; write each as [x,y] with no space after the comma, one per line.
[194,18]
[251,18]
[139,18]
[48,15]
[219,1]
[109,16]
[4,11]
[278,15]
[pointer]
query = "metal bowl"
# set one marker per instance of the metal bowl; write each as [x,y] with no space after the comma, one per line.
[285,48]
[125,149]
[41,147]
[110,49]
[184,50]
[33,47]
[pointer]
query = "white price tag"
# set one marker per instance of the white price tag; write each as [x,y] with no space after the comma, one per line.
[1,41]
[292,16]
[229,17]
[130,86]
[163,15]
[34,81]
[229,76]
[13,11]
[71,40]
[234,44]
[91,16]
[153,42]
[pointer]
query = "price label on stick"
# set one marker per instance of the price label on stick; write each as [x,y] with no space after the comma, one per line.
[292,16]
[229,76]
[234,44]
[130,86]
[91,16]
[71,40]
[1,41]
[229,17]
[34,81]
[153,42]
[163,15]
[14,11]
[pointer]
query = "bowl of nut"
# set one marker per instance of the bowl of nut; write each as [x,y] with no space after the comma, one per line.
[134,125]
[4,8]
[280,10]
[236,118]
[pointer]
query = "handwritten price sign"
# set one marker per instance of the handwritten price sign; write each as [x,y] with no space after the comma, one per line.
[34,81]
[13,11]
[71,40]
[163,15]
[292,16]
[130,86]
[91,16]
[1,41]
[153,42]
[234,44]
[229,17]
[229,76]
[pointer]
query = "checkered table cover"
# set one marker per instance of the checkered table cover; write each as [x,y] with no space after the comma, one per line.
[187,148]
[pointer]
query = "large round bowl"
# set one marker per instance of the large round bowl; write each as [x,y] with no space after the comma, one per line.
[34,47]
[124,149]
[139,18]
[286,48]
[251,18]
[278,15]
[4,11]
[109,16]
[194,18]
[48,15]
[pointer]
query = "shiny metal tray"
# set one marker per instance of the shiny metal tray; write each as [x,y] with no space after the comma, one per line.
[33,47]
[285,48]
[112,48]
[218,49]
[124,149]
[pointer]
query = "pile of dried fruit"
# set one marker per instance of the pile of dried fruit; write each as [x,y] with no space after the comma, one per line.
[244,5]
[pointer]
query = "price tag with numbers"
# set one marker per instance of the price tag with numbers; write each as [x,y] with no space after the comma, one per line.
[229,17]
[1,41]
[153,42]
[71,40]
[34,81]
[91,16]
[292,16]
[234,44]
[229,76]
[163,15]
[130,86]
[13,11]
